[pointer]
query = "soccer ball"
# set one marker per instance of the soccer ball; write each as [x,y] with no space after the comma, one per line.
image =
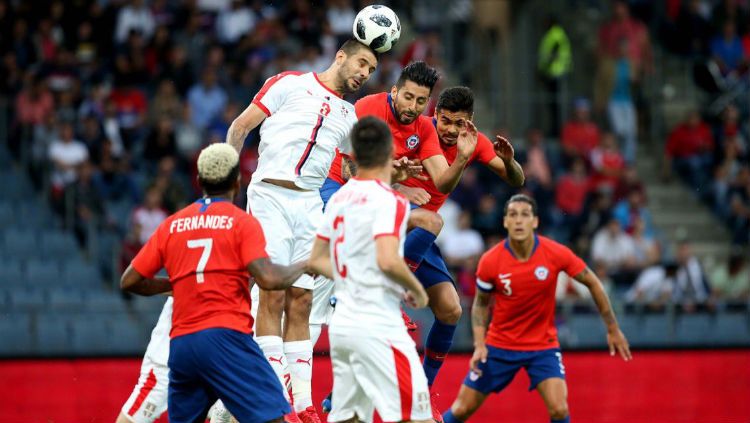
[378,27]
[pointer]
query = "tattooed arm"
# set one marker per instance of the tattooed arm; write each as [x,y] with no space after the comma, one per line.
[615,338]
[348,168]
[480,317]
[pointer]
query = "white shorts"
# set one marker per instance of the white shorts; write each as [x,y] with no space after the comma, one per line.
[149,398]
[377,373]
[322,310]
[289,220]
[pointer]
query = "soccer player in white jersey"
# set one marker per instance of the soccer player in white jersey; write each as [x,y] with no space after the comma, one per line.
[360,245]
[304,119]
[149,398]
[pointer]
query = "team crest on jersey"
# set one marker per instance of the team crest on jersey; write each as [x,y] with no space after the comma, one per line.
[344,111]
[412,142]
[541,273]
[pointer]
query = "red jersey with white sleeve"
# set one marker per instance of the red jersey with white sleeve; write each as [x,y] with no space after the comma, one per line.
[205,249]
[360,212]
[306,123]
[483,153]
[417,140]
[524,314]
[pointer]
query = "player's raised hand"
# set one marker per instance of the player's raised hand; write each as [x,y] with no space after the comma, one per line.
[467,140]
[404,169]
[418,196]
[619,344]
[503,148]
[479,356]
[416,298]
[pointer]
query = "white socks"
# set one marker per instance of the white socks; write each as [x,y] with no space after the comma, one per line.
[273,349]
[300,359]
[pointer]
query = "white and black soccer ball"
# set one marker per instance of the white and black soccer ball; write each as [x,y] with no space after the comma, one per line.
[378,27]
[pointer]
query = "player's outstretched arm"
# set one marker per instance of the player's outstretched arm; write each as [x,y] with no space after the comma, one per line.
[480,315]
[320,259]
[348,168]
[250,118]
[271,276]
[505,164]
[394,266]
[132,281]
[446,177]
[615,338]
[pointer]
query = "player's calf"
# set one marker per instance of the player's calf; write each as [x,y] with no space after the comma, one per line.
[270,310]
[467,402]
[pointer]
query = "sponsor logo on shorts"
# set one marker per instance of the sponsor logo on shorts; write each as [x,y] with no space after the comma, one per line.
[412,142]
[541,273]
[473,376]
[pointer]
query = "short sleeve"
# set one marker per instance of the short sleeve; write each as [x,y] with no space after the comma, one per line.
[486,273]
[570,263]
[150,259]
[273,93]
[365,106]
[325,229]
[345,146]
[390,217]
[430,146]
[485,151]
[251,239]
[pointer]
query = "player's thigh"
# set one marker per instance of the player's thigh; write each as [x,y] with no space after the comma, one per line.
[267,204]
[237,372]
[348,398]
[554,392]
[306,222]
[467,402]
[389,368]
[148,400]
[322,308]
[497,372]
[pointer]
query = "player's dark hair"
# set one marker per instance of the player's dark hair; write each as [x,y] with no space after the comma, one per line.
[372,143]
[521,198]
[352,46]
[419,73]
[223,186]
[456,99]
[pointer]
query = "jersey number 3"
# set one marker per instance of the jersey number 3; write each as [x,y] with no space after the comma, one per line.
[206,244]
[338,222]
[507,290]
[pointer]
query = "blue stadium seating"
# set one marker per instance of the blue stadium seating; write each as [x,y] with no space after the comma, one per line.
[31,297]
[66,298]
[20,243]
[104,301]
[692,328]
[58,244]
[53,334]
[42,272]
[15,332]
[12,273]
[78,273]
[654,330]
[91,334]
[588,330]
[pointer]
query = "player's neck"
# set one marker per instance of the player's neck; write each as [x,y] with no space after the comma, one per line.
[328,78]
[378,174]
[227,196]
[522,249]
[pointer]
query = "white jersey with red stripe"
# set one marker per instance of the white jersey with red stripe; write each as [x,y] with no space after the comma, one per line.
[306,123]
[366,298]
[158,347]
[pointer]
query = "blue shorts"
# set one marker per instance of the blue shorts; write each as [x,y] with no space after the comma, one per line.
[328,189]
[502,365]
[433,269]
[222,364]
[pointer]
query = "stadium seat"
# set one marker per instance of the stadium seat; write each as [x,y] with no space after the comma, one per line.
[732,329]
[104,301]
[66,298]
[6,215]
[91,334]
[30,297]
[130,333]
[654,330]
[15,330]
[58,244]
[12,273]
[588,331]
[53,334]
[695,329]
[20,243]
[40,272]
[15,185]
[78,273]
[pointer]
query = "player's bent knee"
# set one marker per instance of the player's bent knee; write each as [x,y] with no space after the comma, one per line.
[299,303]
[463,408]
[558,411]
[272,302]
[427,220]
[449,313]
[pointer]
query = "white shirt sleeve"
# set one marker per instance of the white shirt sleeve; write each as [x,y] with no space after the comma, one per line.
[391,217]
[271,97]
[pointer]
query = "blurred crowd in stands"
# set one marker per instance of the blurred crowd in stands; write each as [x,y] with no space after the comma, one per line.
[110,102]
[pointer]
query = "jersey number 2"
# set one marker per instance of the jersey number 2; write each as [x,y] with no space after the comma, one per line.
[206,244]
[338,222]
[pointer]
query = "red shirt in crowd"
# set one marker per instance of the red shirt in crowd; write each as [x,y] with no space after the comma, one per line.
[686,140]
[582,137]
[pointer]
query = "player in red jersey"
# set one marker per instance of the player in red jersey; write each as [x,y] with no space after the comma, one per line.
[521,274]
[454,111]
[210,249]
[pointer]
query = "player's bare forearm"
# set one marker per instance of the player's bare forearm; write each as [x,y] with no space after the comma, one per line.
[248,120]
[348,168]
[446,177]
[271,276]
[134,282]
[480,313]
[514,175]
[236,136]
[320,259]
[592,282]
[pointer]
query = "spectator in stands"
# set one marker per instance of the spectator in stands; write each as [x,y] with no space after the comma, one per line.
[66,154]
[571,192]
[234,22]
[654,286]
[607,164]
[88,204]
[469,191]
[725,174]
[645,246]
[464,246]
[727,56]
[613,253]
[739,207]
[730,11]
[33,104]
[631,210]
[206,99]
[538,171]
[731,282]
[689,150]
[729,127]
[340,17]
[628,183]
[147,217]
[178,70]
[580,135]
[160,142]
[174,190]
[136,16]
[166,103]
[553,64]
[692,30]
[130,107]
[219,127]
[621,105]
[596,214]
[92,136]
[113,181]
[487,214]
[691,291]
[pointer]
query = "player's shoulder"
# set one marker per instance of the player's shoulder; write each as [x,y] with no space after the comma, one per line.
[387,192]
[553,246]
[425,124]
[372,101]
[496,252]
[483,139]
[283,78]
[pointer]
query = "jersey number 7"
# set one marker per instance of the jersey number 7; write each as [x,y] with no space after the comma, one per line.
[206,244]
